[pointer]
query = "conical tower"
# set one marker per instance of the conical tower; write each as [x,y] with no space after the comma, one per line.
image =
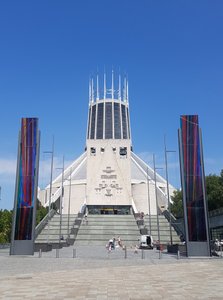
[108,111]
[108,146]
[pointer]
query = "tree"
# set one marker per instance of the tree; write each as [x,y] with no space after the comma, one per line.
[41,212]
[5,225]
[176,206]
[214,189]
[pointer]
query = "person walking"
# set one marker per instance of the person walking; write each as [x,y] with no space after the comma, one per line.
[85,219]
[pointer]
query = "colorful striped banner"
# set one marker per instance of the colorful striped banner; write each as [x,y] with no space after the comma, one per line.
[193,178]
[26,179]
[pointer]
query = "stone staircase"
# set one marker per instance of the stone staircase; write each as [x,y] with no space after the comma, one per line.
[164,229]
[51,235]
[100,228]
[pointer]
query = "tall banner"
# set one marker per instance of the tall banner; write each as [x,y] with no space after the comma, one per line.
[26,188]
[193,187]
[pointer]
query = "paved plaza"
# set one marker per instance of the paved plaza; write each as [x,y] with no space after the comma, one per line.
[95,274]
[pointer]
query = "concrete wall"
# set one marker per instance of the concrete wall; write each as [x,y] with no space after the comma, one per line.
[107,179]
[140,197]
[77,198]
[108,173]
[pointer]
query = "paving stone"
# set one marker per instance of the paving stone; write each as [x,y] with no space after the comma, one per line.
[97,277]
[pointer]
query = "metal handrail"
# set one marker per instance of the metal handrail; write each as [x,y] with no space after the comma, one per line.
[83,209]
[43,222]
[174,223]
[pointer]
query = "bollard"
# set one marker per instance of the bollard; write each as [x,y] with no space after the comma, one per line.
[160,254]
[143,256]
[221,251]
[57,253]
[40,253]
[178,254]
[74,253]
[125,252]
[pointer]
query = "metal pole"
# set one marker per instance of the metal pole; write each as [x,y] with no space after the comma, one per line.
[61,202]
[157,207]
[50,193]
[51,173]
[183,184]
[68,226]
[12,245]
[204,193]
[148,191]
[57,253]
[74,253]
[168,193]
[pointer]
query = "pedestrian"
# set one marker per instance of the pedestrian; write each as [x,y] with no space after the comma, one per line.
[85,219]
[120,242]
[110,245]
[136,249]
[142,215]
[113,244]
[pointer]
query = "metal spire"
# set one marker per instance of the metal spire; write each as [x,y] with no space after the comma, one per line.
[124,91]
[89,90]
[119,88]
[92,90]
[97,97]
[127,90]
[104,85]
[112,89]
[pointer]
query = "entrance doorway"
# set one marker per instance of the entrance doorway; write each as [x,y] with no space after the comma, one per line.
[108,210]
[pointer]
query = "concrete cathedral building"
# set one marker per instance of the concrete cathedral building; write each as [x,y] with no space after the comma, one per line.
[108,178]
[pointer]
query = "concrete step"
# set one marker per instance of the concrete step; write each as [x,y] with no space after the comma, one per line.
[108,231]
[101,228]
[62,220]
[55,222]
[58,228]
[63,231]
[130,243]
[154,222]
[55,217]
[52,238]
[51,234]
[109,221]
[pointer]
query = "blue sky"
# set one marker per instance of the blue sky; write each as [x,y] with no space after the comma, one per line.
[171,51]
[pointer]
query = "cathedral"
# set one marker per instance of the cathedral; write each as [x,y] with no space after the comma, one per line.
[108,178]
